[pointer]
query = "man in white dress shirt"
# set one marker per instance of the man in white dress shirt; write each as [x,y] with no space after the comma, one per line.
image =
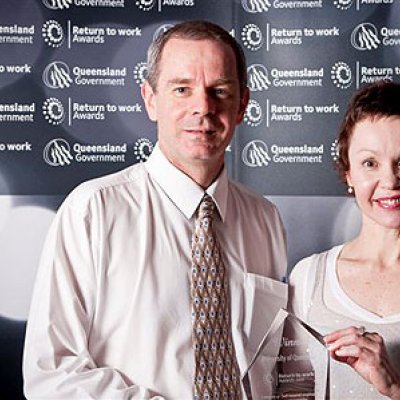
[111,314]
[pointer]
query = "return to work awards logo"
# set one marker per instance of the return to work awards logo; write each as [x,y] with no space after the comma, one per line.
[148,5]
[53,33]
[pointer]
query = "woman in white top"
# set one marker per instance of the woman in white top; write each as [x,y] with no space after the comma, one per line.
[351,293]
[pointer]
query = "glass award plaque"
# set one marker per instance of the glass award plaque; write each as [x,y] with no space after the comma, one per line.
[284,367]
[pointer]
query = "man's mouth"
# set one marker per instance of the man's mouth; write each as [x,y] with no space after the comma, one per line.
[200,131]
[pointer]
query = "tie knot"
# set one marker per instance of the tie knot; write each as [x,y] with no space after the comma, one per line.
[206,208]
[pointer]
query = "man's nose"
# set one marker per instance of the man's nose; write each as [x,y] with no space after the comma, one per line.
[203,103]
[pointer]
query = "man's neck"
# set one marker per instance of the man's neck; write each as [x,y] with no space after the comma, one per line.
[204,173]
[204,177]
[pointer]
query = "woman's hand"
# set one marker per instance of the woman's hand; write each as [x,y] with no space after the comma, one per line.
[366,353]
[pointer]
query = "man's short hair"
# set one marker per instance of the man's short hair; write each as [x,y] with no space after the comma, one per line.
[377,100]
[194,30]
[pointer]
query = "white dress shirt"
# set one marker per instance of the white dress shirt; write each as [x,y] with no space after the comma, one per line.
[110,315]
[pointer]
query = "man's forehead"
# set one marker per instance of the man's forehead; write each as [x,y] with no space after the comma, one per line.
[181,56]
[177,44]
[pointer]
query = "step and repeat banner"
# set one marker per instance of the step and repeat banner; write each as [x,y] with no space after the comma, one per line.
[71,110]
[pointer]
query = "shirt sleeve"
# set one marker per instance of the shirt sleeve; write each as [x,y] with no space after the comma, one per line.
[278,249]
[57,363]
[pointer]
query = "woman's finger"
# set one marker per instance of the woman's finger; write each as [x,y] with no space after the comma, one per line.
[350,331]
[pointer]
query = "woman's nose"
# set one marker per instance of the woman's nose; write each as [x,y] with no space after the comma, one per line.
[391,177]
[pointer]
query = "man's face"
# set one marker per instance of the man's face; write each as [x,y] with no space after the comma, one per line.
[196,103]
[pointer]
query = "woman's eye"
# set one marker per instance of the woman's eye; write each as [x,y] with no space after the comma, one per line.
[369,163]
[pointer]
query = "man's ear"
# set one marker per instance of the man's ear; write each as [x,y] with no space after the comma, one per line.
[149,100]
[244,101]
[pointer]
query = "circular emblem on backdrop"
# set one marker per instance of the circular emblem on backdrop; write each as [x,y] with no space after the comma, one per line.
[257,77]
[343,4]
[57,75]
[145,5]
[255,154]
[252,37]
[256,6]
[142,149]
[57,4]
[162,29]
[139,72]
[335,151]
[57,153]
[253,115]
[53,111]
[52,33]
[365,37]
[341,75]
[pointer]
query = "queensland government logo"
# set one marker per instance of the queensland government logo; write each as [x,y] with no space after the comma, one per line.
[256,6]
[57,4]
[365,37]
[57,75]
[259,80]
[59,153]
[66,4]
[261,6]
[257,77]
[257,154]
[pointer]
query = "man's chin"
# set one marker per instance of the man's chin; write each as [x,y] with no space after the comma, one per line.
[204,154]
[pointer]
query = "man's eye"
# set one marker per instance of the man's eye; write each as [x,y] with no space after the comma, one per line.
[181,90]
[220,92]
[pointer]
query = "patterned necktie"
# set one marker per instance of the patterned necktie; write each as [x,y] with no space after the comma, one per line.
[217,373]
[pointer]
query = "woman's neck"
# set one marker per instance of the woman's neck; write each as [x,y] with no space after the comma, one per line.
[376,244]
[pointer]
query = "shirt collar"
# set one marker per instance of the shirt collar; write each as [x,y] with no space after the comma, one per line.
[181,189]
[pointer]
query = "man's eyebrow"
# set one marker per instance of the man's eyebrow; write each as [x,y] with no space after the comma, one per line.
[186,81]
[179,81]
[224,81]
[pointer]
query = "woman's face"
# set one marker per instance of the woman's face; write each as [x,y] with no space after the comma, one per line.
[374,156]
